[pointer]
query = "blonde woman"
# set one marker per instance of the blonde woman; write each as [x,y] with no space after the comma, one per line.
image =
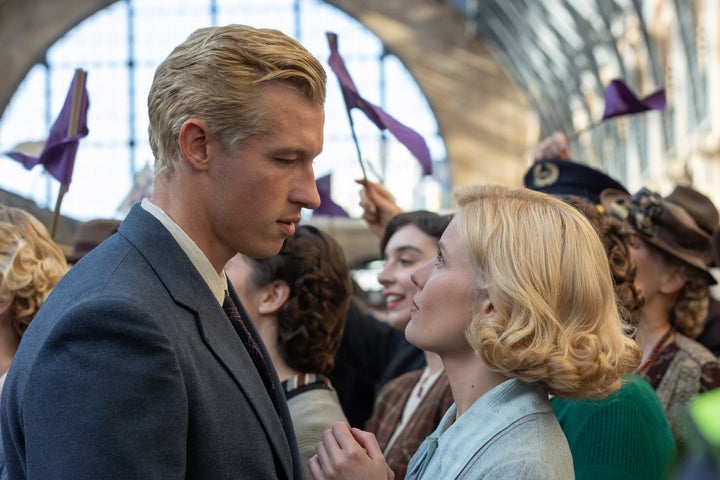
[519,304]
[30,266]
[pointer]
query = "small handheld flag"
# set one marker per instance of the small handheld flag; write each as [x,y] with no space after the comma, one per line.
[620,100]
[58,153]
[412,140]
[327,206]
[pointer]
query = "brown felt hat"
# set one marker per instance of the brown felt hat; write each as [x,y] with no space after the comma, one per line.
[664,225]
[699,206]
[90,234]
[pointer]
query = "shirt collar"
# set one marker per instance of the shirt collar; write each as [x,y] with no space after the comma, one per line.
[216,282]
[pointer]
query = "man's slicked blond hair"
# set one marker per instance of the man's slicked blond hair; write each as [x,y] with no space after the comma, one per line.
[217,75]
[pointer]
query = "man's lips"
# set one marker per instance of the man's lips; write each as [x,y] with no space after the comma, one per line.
[288,226]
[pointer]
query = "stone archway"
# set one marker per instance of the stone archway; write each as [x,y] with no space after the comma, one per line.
[481,114]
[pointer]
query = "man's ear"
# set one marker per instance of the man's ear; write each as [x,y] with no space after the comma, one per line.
[274,297]
[193,142]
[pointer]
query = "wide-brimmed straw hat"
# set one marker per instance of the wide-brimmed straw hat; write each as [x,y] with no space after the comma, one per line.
[664,225]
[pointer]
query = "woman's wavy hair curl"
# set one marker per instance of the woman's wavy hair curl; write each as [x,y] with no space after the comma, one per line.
[31,264]
[617,238]
[312,320]
[543,267]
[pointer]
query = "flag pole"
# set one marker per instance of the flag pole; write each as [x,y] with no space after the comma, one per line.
[576,134]
[355,140]
[78,90]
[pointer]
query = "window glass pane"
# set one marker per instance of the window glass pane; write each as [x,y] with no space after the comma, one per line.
[121,46]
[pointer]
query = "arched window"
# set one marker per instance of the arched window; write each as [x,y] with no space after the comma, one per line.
[121,46]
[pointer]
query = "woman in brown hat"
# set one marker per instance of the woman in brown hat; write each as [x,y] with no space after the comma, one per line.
[672,255]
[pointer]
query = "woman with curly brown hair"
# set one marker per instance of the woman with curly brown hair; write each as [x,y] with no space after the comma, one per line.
[298,301]
[626,435]
[519,304]
[672,255]
[31,264]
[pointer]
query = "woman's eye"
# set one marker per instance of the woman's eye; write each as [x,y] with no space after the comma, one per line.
[439,260]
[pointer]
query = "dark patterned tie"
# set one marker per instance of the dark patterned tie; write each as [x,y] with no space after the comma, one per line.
[253,348]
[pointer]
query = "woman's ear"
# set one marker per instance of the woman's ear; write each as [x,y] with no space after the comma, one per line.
[673,280]
[488,307]
[483,304]
[193,142]
[6,304]
[273,298]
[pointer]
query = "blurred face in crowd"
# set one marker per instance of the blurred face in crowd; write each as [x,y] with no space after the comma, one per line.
[652,270]
[407,250]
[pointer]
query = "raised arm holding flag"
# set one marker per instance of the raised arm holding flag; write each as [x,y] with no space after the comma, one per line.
[58,154]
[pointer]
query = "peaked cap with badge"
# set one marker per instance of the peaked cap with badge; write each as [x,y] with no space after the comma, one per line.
[564,178]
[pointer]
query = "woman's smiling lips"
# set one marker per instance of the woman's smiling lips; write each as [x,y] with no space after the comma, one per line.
[392,300]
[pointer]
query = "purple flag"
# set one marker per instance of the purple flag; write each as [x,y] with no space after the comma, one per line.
[405,135]
[620,100]
[58,154]
[327,206]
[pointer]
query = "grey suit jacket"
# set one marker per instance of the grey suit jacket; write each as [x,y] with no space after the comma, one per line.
[131,370]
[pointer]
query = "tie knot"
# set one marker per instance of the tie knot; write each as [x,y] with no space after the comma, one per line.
[231,309]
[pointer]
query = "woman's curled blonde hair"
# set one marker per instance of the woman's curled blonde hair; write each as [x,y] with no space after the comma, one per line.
[544,268]
[31,264]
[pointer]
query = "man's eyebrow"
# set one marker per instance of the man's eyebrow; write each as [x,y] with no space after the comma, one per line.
[293,151]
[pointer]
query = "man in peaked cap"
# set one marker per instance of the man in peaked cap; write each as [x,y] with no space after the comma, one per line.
[706,215]
[554,173]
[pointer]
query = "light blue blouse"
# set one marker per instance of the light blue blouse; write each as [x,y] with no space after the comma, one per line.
[510,432]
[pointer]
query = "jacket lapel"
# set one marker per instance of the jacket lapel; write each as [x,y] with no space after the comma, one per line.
[190,291]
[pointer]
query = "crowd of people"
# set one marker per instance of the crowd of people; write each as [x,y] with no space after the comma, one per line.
[565,329]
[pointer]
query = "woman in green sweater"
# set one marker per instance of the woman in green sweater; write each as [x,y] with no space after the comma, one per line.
[625,436]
